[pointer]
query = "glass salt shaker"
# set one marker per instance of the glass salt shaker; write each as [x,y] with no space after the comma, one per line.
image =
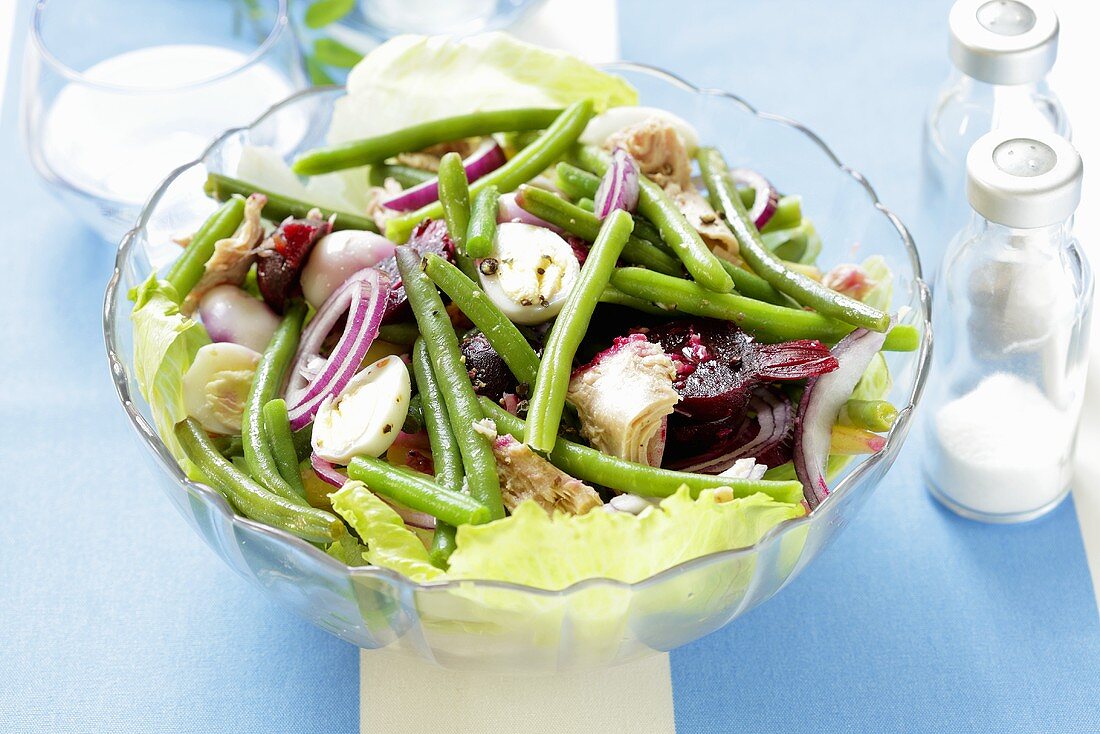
[1001,51]
[1011,322]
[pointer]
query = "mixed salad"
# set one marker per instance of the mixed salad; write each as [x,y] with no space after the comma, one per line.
[511,325]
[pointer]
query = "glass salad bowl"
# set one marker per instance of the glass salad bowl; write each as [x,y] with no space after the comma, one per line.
[509,628]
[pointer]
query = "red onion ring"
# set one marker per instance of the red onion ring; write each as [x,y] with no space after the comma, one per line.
[488,157]
[326,471]
[821,402]
[363,297]
[763,207]
[619,187]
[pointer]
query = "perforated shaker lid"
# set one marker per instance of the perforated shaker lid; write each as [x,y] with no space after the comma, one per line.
[1023,179]
[1003,41]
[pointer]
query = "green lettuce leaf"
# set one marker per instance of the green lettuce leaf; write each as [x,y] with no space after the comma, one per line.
[570,548]
[414,79]
[883,293]
[165,342]
[390,544]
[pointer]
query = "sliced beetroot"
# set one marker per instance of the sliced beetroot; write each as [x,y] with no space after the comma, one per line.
[488,372]
[429,237]
[282,257]
[719,365]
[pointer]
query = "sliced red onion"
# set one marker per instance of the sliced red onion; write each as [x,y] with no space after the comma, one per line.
[766,202]
[363,297]
[619,187]
[326,471]
[488,157]
[775,418]
[511,211]
[821,403]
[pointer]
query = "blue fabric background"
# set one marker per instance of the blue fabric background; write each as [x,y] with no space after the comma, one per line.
[116,618]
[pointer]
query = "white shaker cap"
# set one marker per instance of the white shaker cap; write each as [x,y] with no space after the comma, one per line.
[1023,178]
[1003,41]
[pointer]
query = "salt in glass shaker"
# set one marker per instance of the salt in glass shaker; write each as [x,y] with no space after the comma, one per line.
[1001,51]
[1010,315]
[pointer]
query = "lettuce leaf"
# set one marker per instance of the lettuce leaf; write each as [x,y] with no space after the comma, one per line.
[883,293]
[413,79]
[530,547]
[165,342]
[389,543]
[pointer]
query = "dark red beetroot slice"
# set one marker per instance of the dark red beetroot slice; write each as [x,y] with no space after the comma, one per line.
[282,257]
[429,237]
[719,365]
[700,446]
[488,372]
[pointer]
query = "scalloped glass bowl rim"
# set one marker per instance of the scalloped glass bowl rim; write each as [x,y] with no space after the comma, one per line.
[894,439]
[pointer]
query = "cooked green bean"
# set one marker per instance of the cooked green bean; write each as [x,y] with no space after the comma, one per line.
[454,196]
[414,418]
[303,441]
[445,454]
[548,396]
[269,376]
[251,499]
[766,321]
[418,492]
[870,415]
[403,334]
[592,465]
[656,206]
[483,222]
[587,204]
[458,394]
[188,268]
[570,217]
[806,291]
[614,296]
[525,165]
[280,207]
[279,437]
[417,137]
[753,286]
[788,213]
[407,176]
[505,338]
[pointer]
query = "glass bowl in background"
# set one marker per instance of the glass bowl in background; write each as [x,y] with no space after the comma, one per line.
[509,628]
[116,93]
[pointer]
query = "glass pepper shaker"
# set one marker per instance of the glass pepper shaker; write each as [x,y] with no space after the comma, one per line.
[1010,315]
[1002,51]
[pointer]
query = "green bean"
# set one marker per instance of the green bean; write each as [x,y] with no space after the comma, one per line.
[870,415]
[804,290]
[445,453]
[616,297]
[454,196]
[458,394]
[248,497]
[188,268]
[570,217]
[587,204]
[269,376]
[505,338]
[576,183]
[417,137]
[404,334]
[593,466]
[525,165]
[303,441]
[483,222]
[407,176]
[280,207]
[753,286]
[228,446]
[417,492]
[766,321]
[279,437]
[656,206]
[548,395]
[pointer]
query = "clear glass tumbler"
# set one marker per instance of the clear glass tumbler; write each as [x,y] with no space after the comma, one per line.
[116,94]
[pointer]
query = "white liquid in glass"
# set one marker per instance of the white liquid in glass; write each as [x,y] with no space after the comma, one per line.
[119,145]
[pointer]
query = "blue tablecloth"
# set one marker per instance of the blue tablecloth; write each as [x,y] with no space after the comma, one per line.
[116,618]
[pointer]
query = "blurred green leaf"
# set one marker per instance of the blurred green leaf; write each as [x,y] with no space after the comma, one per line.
[318,77]
[322,12]
[331,52]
